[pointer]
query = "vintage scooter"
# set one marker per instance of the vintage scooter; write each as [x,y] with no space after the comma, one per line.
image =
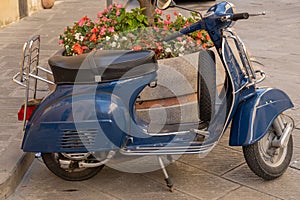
[90,116]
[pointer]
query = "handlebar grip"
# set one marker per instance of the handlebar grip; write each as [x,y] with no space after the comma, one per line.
[238,16]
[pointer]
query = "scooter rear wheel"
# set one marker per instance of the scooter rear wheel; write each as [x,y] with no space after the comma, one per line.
[75,173]
[267,161]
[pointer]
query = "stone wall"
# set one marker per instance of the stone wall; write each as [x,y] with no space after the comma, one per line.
[13,10]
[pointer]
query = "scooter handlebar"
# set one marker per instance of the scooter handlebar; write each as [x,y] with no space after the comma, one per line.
[189,29]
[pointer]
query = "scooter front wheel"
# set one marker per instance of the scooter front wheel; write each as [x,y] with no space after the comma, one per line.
[267,161]
[70,173]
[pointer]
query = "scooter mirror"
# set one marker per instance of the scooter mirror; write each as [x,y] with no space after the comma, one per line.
[164,4]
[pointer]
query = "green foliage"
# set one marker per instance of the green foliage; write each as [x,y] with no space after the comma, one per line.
[115,28]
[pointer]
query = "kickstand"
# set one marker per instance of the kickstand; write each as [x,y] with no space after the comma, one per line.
[167,179]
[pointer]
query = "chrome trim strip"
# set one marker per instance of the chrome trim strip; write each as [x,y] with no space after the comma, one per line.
[234,89]
[153,152]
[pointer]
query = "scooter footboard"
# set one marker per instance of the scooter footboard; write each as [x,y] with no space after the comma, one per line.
[255,116]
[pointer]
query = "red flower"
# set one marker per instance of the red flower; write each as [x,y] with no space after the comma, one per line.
[168,16]
[199,34]
[93,38]
[95,30]
[77,48]
[83,20]
[207,37]
[137,48]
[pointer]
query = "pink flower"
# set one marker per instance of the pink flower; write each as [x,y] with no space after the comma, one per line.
[158,46]
[60,42]
[130,35]
[99,14]
[118,13]
[118,6]
[104,19]
[167,22]
[165,28]
[159,12]
[103,30]
[110,7]
[105,11]
[111,29]
[175,13]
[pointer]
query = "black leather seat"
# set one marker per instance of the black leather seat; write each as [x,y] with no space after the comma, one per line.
[101,66]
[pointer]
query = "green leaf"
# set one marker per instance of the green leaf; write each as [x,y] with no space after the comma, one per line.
[140,18]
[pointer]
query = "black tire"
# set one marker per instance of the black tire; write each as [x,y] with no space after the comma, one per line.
[206,85]
[262,163]
[75,174]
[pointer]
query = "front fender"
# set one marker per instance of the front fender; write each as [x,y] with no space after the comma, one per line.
[254,116]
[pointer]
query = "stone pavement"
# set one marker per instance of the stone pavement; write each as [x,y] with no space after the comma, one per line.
[223,174]
[49,24]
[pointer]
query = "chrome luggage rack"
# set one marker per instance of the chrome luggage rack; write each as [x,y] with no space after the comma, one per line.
[29,69]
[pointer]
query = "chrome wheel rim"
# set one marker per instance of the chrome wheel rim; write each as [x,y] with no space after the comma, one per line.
[272,156]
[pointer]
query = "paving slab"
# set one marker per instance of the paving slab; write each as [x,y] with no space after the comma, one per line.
[49,24]
[246,193]
[284,187]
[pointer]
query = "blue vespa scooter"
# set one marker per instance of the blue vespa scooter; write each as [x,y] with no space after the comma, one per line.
[90,116]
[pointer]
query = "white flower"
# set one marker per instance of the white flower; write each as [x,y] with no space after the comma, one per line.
[184,42]
[181,54]
[181,49]
[77,36]
[168,50]
[114,44]
[116,37]
[124,38]
[107,38]
[81,38]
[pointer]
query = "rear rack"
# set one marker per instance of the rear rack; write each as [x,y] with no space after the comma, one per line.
[29,69]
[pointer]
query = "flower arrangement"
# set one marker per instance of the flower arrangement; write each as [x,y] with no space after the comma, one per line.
[115,28]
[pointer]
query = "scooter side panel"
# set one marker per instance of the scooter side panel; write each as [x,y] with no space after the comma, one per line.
[255,116]
[80,122]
